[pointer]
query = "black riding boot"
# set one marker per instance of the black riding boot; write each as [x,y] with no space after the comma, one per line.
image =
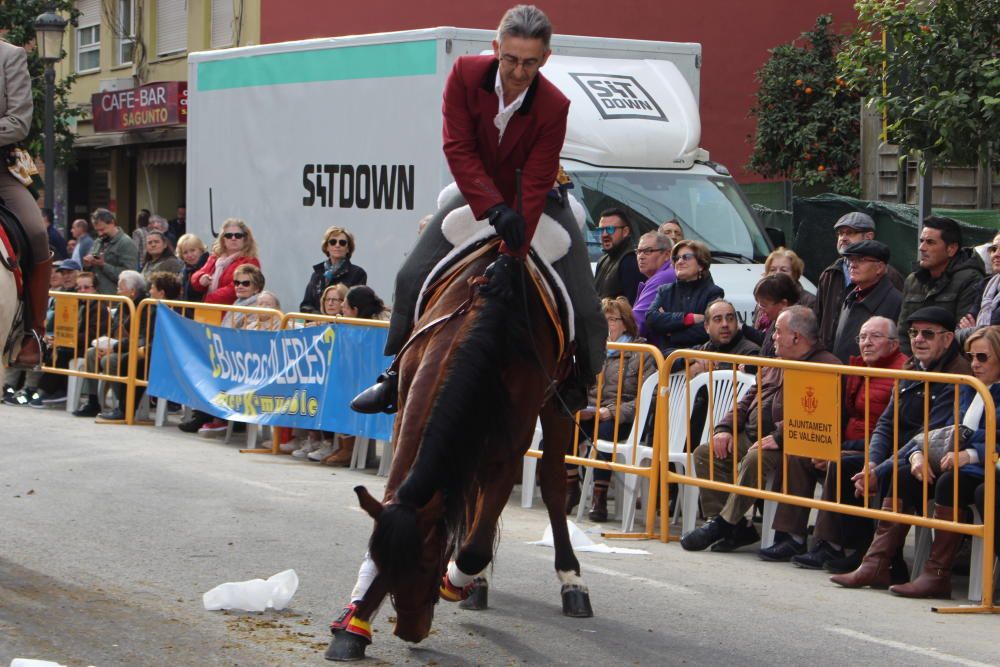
[380,397]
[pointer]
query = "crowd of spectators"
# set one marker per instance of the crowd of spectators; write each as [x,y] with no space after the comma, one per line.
[939,318]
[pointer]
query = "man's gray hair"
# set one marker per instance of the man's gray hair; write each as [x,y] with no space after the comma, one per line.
[527,22]
[891,329]
[104,215]
[663,242]
[133,280]
[802,320]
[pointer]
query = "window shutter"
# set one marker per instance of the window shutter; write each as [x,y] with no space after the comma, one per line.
[223,17]
[171,26]
[90,12]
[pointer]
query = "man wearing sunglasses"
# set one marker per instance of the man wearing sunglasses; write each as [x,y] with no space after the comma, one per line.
[501,116]
[618,271]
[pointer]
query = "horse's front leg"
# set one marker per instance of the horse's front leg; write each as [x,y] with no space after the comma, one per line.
[557,431]
[352,630]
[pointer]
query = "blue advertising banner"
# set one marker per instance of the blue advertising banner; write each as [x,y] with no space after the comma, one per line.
[302,378]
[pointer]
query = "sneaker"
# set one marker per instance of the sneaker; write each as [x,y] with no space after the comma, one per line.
[742,535]
[783,551]
[20,397]
[708,534]
[213,427]
[192,425]
[114,415]
[818,557]
[54,397]
[307,448]
[36,400]
[324,451]
[88,410]
[290,446]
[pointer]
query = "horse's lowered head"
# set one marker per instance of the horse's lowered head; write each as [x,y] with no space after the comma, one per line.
[408,545]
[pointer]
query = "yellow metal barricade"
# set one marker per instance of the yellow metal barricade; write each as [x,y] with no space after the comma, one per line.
[632,446]
[92,331]
[811,382]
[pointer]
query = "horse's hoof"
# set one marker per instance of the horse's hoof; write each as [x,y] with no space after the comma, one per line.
[478,595]
[346,647]
[576,601]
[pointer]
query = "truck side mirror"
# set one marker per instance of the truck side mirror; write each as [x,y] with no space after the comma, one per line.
[776,235]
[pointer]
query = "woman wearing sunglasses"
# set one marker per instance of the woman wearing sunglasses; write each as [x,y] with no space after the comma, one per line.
[338,246]
[234,247]
[677,314]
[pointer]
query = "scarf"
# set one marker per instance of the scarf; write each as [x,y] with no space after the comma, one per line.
[989,302]
[220,267]
[624,338]
[330,269]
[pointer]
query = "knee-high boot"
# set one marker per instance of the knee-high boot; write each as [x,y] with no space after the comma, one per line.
[875,568]
[37,298]
[935,579]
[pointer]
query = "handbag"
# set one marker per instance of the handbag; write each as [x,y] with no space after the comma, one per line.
[940,441]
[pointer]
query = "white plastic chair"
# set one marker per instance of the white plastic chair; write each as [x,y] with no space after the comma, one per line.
[74,384]
[723,396]
[627,452]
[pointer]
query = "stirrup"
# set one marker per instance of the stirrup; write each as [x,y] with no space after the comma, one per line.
[39,341]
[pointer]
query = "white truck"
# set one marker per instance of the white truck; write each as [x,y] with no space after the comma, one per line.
[295,137]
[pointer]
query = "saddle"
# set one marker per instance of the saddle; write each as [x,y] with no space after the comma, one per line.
[15,251]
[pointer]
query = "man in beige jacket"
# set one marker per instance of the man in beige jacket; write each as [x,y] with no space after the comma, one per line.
[15,123]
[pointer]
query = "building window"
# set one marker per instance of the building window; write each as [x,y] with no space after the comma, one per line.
[223,16]
[171,27]
[88,36]
[125,30]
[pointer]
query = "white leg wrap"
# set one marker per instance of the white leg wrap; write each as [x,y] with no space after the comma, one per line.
[570,578]
[458,578]
[366,573]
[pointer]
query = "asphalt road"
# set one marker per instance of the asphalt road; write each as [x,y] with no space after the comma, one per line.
[109,536]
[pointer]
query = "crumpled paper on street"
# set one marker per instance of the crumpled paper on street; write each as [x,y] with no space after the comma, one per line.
[582,542]
[31,662]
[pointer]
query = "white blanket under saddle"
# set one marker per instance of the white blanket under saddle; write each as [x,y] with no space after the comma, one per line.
[551,243]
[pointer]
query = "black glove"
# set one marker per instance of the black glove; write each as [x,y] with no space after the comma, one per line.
[500,277]
[509,225]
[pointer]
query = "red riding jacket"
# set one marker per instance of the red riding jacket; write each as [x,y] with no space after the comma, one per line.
[483,166]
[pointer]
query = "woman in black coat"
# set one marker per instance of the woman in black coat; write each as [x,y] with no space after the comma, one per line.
[192,252]
[338,246]
[676,317]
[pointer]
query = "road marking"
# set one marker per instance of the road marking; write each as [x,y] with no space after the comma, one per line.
[926,652]
[653,583]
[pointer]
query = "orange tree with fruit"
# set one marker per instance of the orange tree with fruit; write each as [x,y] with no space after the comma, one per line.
[807,117]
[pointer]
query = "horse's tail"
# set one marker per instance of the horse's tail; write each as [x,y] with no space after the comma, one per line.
[397,540]
[471,403]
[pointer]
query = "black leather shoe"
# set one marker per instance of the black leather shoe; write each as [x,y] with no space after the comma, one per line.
[742,535]
[88,410]
[114,415]
[820,555]
[782,551]
[380,397]
[708,534]
[845,564]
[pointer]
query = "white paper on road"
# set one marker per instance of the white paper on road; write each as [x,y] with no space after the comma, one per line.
[30,662]
[253,595]
[582,542]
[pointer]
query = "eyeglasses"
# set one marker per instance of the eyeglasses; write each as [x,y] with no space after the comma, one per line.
[686,257]
[981,357]
[331,299]
[342,242]
[610,229]
[927,334]
[527,64]
[855,261]
[234,235]
[875,337]
[243,283]
[648,251]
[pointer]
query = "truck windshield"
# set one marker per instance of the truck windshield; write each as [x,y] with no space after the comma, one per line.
[709,209]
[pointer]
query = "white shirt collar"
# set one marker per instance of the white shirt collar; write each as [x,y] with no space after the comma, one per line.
[504,113]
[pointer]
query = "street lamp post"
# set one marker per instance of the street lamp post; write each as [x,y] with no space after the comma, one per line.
[49,29]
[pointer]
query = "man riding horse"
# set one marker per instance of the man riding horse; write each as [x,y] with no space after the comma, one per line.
[16,110]
[501,118]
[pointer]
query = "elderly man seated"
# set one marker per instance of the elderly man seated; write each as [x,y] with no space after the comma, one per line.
[653,255]
[862,406]
[795,338]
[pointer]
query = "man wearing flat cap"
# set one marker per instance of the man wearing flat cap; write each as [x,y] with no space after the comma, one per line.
[834,282]
[871,293]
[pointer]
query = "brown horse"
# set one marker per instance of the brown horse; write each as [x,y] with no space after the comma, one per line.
[473,380]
